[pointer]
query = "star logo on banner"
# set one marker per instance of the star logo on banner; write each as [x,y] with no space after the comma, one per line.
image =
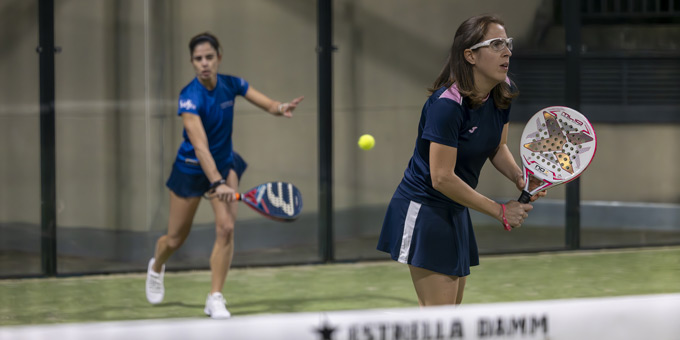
[559,142]
[326,331]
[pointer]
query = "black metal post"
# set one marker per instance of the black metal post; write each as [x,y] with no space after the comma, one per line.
[572,29]
[46,49]
[325,86]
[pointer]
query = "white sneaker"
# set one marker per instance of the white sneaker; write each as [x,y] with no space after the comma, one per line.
[154,284]
[215,306]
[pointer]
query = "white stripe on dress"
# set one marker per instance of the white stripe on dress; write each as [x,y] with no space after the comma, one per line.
[409,224]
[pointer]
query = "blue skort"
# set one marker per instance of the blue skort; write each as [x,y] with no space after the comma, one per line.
[193,185]
[439,239]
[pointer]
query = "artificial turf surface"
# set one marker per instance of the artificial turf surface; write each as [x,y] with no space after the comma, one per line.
[363,285]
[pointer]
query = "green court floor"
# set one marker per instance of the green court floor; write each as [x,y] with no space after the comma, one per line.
[360,285]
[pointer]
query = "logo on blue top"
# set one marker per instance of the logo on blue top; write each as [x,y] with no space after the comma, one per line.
[187,105]
[227,104]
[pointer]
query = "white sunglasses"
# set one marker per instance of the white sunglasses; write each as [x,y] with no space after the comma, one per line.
[496,44]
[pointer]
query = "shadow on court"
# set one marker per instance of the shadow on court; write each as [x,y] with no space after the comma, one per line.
[294,305]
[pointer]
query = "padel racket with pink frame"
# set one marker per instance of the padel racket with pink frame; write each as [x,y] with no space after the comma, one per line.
[557,145]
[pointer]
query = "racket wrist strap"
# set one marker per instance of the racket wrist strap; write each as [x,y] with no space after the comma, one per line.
[506,225]
[215,184]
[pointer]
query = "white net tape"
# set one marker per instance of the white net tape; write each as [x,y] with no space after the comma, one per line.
[634,317]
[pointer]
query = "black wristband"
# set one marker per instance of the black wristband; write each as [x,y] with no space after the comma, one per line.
[215,184]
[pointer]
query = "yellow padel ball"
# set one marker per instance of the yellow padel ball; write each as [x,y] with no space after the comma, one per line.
[366,142]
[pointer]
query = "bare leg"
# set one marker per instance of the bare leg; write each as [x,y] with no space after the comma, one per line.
[434,288]
[223,249]
[182,211]
[461,287]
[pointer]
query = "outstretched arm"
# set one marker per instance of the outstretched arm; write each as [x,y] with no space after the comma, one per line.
[274,107]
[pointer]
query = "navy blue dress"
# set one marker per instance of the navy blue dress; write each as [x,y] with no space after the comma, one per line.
[422,226]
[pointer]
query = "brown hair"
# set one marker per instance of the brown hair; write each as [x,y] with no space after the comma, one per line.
[458,70]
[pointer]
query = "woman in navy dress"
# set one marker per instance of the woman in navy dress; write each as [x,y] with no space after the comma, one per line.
[206,162]
[463,123]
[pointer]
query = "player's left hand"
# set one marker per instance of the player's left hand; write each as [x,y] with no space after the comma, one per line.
[286,109]
[533,183]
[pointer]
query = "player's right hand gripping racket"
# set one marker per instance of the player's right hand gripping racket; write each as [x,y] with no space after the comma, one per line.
[557,145]
[279,201]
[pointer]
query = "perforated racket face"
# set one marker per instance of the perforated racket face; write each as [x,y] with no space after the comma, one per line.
[557,145]
[277,200]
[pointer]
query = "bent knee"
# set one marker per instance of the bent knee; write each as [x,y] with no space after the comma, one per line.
[224,230]
[174,242]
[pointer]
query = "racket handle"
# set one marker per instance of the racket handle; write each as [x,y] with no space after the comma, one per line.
[237,196]
[525,197]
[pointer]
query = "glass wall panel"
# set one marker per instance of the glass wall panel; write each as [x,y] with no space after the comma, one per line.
[387,59]
[20,227]
[122,66]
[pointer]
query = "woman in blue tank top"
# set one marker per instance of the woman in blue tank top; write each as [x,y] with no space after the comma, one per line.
[206,162]
[463,123]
